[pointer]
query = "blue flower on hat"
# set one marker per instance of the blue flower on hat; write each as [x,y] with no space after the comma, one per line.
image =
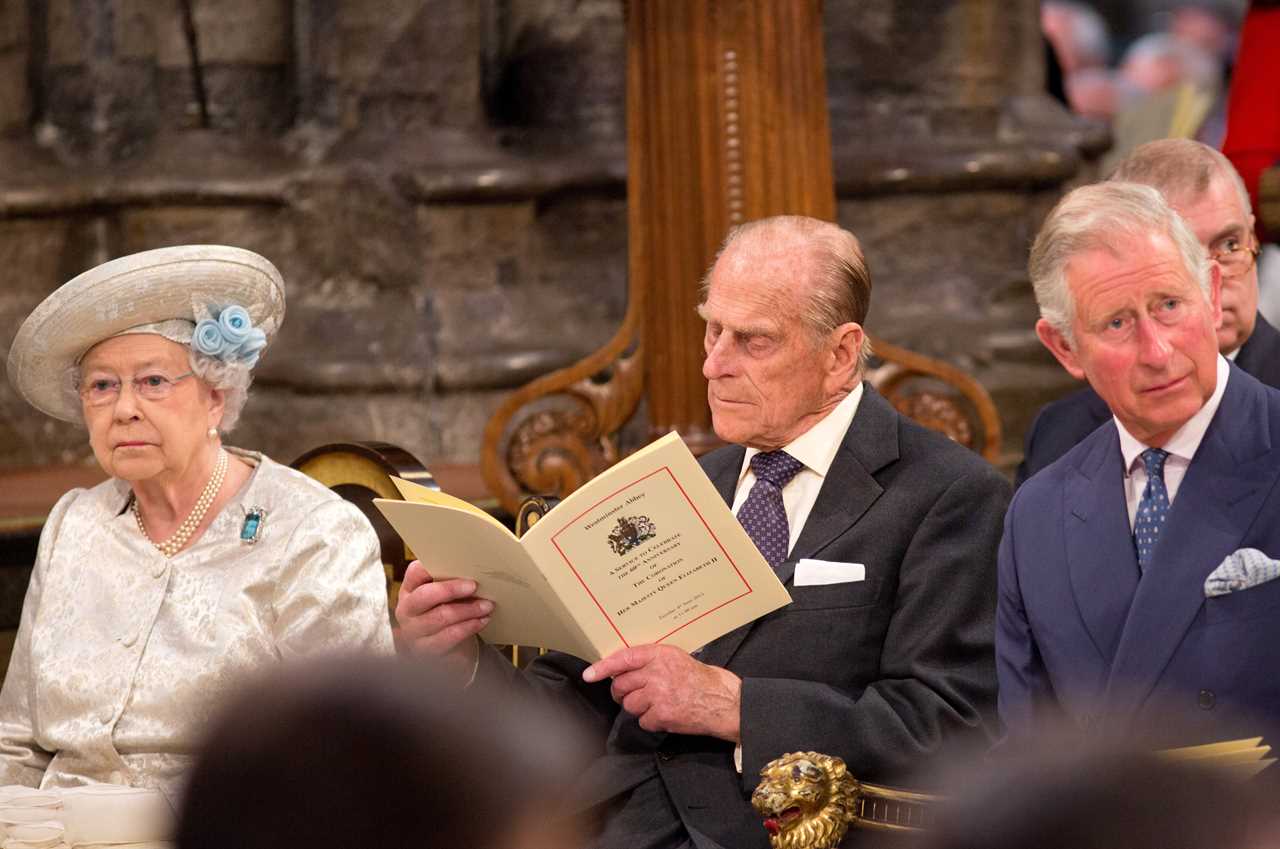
[235,324]
[229,335]
[208,339]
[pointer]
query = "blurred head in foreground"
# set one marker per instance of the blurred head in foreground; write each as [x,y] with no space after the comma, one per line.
[379,753]
[1068,793]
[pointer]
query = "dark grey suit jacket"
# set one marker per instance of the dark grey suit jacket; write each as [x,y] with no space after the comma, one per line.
[880,672]
[1064,423]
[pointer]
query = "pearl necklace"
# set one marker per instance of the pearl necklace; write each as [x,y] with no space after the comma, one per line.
[178,541]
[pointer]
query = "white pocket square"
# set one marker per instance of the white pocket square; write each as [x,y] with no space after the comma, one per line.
[1243,568]
[816,573]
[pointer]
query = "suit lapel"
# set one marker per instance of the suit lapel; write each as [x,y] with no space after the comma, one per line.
[848,490]
[850,487]
[1224,488]
[1100,555]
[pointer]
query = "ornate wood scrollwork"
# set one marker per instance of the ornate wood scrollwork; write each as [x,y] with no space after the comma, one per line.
[557,432]
[939,396]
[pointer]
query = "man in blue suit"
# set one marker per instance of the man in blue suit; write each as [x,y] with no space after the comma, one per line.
[1135,573]
[1203,187]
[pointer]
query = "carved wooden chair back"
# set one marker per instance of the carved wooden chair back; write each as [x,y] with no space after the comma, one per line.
[939,396]
[361,472]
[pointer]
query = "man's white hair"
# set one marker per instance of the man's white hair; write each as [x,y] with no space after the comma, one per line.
[841,290]
[1108,216]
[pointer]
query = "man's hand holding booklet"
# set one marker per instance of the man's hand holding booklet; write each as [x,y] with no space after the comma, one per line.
[647,552]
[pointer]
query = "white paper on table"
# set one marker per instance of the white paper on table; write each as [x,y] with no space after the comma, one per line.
[109,813]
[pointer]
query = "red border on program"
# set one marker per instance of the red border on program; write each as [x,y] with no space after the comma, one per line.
[720,545]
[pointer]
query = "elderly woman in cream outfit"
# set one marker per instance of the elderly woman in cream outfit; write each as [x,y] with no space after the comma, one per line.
[156,591]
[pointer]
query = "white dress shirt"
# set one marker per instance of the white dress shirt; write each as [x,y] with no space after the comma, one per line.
[1181,447]
[816,448]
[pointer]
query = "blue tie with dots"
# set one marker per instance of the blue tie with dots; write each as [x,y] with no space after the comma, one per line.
[762,514]
[1153,509]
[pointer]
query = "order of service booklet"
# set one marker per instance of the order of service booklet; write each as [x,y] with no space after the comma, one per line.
[646,552]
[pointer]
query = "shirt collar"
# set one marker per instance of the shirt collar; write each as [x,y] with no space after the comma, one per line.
[1186,439]
[816,448]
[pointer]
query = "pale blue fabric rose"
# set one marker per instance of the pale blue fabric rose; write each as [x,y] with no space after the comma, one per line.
[229,335]
[235,324]
[208,339]
[251,348]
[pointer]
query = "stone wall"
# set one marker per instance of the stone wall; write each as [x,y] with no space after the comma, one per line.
[442,184]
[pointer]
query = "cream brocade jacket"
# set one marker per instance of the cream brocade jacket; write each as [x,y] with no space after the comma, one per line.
[123,655]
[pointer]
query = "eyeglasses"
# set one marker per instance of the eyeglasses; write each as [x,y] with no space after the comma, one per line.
[101,391]
[1235,258]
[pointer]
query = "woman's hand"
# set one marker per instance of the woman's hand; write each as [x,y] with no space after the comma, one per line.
[441,618]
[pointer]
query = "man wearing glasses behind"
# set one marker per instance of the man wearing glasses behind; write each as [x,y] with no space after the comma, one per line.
[1203,187]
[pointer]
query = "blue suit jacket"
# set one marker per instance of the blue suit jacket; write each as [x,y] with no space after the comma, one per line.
[1079,631]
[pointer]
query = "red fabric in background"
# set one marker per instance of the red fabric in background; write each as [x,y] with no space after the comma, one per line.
[1253,106]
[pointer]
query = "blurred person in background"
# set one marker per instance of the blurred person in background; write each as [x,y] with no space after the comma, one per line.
[1253,112]
[1078,34]
[1158,61]
[1253,129]
[1096,93]
[380,755]
[1176,92]
[1206,28]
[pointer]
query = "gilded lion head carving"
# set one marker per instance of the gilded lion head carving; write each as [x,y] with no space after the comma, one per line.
[807,800]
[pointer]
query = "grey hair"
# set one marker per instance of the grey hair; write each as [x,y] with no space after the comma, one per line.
[841,290]
[232,379]
[1104,216]
[1180,168]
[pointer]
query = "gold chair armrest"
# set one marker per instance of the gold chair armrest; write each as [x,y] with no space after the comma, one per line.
[809,801]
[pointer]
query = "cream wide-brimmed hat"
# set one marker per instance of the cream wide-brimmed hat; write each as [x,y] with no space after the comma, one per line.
[133,291]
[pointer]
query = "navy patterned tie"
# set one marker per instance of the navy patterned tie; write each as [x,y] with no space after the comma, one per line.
[762,514]
[1153,509]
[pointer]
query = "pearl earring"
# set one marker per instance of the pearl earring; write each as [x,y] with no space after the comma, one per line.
[213,433]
